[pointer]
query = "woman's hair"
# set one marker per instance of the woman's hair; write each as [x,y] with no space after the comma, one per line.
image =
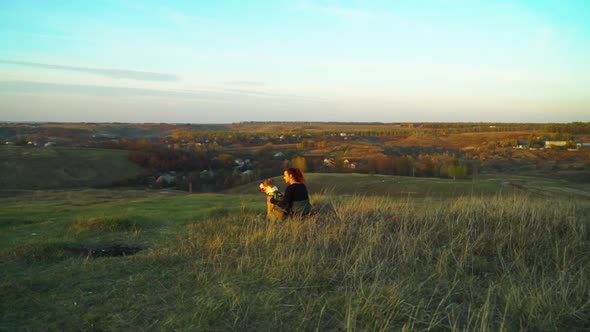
[296,174]
[268,182]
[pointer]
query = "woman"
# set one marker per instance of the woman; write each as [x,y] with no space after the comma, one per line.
[295,200]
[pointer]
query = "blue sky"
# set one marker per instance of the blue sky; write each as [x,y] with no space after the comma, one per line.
[230,61]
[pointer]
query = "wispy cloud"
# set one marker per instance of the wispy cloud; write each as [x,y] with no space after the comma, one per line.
[112,73]
[245,83]
[218,94]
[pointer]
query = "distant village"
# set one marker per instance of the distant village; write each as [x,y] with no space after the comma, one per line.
[210,157]
[568,145]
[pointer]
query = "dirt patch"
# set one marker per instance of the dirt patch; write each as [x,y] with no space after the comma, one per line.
[104,251]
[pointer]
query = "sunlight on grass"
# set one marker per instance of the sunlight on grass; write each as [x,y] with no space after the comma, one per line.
[493,263]
[102,224]
[499,263]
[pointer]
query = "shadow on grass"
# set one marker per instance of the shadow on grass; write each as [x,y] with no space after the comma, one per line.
[43,251]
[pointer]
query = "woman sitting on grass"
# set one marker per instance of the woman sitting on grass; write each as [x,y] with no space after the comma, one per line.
[295,200]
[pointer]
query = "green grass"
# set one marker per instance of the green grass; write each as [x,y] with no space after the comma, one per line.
[393,186]
[102,224]
[416,187]
[60,167]
[498,261]
[50,215]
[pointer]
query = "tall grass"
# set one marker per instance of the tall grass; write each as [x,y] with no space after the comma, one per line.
[371,263]
[498,263]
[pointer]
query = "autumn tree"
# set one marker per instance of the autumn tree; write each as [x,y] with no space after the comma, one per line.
[226,159]
[299,162]
[456,169]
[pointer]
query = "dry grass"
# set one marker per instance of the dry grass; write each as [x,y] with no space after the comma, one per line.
[498,263]
[495,262]
[102,224]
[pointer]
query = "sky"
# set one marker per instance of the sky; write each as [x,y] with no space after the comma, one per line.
[184,61]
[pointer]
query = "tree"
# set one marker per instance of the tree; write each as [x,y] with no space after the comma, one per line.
[456,169]
[140,144]
[571,144]
[530,141]
[226,159]
[299,162]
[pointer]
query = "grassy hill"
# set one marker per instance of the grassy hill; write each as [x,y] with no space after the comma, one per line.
[163,260]
[415,187]
[60,167]
[386,185]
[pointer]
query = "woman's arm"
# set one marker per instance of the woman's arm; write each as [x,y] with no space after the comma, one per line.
[287,199]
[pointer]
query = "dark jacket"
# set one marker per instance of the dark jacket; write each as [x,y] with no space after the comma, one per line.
[295,200]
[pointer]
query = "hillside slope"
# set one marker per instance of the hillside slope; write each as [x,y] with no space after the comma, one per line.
[387,185]
[405,186]
[56,167]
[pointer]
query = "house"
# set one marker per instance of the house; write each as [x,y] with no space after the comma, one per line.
[348,164]
[248,173]
[166,179]
[206,174]
[550,144]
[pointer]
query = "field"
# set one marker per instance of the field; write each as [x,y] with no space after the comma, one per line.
[381,253]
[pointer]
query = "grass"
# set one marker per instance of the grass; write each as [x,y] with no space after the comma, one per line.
[499,262]
[102,224]
[393,186]
[60,167]
[49,215]
[415,187]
